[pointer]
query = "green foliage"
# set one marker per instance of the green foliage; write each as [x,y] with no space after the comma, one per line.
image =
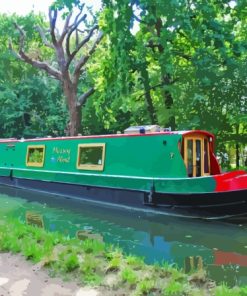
[62,4]
[114,264]
[223,290]
[145,287]
[129,276]
[93,246]
[91,270]
[243,291]
[31,103]
[71,262]
[185,63]
[135,262]
[173,288]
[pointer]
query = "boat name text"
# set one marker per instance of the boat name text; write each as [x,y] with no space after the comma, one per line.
[63,154]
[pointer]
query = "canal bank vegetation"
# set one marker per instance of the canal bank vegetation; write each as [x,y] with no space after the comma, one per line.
[94,263]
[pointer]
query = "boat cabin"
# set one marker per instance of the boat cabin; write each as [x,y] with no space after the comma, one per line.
[196,147]
[198,154]
[146,152]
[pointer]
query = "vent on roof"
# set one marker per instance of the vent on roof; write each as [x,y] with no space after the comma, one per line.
[142,129]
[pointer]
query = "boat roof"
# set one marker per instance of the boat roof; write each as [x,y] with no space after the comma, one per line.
[183,133]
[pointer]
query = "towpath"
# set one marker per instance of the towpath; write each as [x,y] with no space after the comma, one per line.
[19,277]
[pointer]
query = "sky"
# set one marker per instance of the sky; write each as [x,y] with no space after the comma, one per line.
[22,7]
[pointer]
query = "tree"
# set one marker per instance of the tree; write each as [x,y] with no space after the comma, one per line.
[71,59]
[174,38]
[30,102]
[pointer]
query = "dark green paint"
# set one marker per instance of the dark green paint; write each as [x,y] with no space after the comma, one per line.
[131,162]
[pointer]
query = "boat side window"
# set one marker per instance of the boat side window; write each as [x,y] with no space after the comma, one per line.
[35,155]
[206,157]
[198,158]
[91,156]
[190,156]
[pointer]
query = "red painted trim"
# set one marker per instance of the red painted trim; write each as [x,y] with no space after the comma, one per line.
[231,181]
[8,140]
[108,136]
[205,133]
[91,137]
[227,258]
[214,165]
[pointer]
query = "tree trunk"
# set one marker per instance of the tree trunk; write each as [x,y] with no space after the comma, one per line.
[169,104]
[65,54]
[74,110]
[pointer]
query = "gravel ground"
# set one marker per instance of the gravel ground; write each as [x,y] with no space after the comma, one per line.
[20,278]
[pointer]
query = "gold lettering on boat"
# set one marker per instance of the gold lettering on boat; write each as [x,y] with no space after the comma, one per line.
[62,154]
[63,159]
[59,150]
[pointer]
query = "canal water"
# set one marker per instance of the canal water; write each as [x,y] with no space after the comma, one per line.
[221,246]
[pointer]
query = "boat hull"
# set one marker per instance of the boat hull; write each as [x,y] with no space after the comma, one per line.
[197,205]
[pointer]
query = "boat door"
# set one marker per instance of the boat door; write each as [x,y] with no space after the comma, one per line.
[196,155]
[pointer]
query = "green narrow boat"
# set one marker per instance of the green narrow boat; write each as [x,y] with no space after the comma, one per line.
[170,172]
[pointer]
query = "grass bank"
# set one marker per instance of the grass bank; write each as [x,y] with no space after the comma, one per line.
[92,262]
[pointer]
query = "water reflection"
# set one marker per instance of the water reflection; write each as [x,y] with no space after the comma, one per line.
[220,246]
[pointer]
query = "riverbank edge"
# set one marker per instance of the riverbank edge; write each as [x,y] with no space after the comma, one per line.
[90,262]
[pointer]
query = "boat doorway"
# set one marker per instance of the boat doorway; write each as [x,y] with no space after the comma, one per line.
[196,155]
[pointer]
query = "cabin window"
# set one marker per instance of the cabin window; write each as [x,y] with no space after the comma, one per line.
[35,155]
[190,152]
[206,158]
[198,158]
[91,157]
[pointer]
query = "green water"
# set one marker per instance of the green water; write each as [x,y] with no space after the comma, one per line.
[221,245]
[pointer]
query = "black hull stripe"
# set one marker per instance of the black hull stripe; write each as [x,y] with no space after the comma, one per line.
[195,205]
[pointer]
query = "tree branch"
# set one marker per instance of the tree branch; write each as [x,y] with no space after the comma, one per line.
[43,37]
[72,29]
[158,85]
[53,19]
[24,57]
[83,98]
[65,28]
[85,58]
[81,44]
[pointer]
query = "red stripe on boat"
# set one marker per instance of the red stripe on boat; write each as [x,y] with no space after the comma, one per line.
[231,181]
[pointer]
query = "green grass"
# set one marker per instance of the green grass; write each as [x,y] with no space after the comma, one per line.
[173,288]
[145,287]
[129,276]
[91,261]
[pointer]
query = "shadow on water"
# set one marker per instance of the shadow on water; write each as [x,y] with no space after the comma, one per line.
[220,245]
